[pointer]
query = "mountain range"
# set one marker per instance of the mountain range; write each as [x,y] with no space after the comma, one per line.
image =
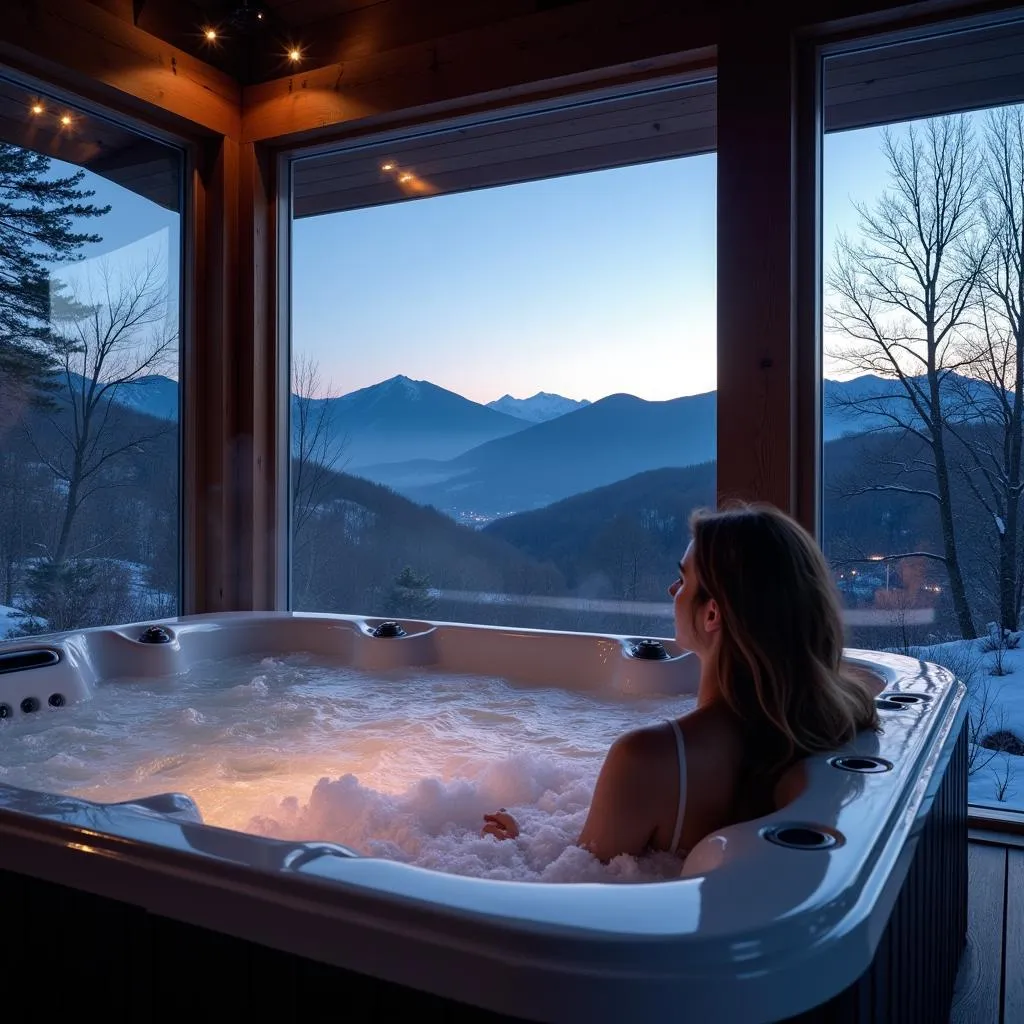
[402,419]
[438,448]
[614,438]
[539,408]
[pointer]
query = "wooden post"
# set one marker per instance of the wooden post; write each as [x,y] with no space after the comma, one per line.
[208,381]
[235,518]
[260,442]
[807,287]
[756,264]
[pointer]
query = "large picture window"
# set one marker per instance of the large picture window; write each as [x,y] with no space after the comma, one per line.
[924,354]
[503,367]
[89,346]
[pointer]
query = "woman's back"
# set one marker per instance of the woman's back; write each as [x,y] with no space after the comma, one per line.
[665,790]
[714,746]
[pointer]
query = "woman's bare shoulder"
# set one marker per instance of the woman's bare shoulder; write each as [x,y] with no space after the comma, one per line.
[642,745]
[711,730]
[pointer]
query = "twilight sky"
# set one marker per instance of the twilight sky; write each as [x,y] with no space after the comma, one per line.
[584,285]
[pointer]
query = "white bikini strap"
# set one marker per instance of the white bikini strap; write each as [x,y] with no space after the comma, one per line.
[681,757]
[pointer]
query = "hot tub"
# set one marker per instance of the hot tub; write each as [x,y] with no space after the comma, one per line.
[848,904]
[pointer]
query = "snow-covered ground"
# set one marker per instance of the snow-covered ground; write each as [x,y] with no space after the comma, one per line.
[140,599]
[995,683]
[12,621]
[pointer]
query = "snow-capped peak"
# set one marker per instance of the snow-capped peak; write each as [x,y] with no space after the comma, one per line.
[539,408]
[411,389]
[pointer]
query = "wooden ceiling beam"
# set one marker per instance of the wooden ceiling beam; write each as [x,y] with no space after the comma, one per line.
[302,12]
[82,47]
[500,60]
[395,62]
[123,9]
[390,24]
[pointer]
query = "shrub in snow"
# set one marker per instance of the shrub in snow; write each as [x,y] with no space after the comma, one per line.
[997,639]
[1005,741]
[997,642]
[1004,774]
[960,658]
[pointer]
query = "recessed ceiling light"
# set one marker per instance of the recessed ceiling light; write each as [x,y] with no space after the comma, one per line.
[37,108]
[295,55]
[210,34]
[65,120]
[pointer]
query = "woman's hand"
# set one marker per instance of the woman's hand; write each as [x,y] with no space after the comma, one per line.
[501,825]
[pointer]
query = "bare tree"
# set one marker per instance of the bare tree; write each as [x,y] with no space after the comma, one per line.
[994,393]
[986,717]
[901,296]
[1004,774]
[17,498]
[316,455]
[113,328]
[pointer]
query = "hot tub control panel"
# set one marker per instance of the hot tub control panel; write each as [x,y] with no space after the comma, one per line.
[35,678]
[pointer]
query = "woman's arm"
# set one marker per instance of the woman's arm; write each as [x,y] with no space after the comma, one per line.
[623,812]
[622,817]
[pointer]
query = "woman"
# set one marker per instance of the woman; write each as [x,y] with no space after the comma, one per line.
[755,603]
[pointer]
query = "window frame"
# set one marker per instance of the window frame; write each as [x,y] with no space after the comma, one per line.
[692,69]
[813,49]
[187,152]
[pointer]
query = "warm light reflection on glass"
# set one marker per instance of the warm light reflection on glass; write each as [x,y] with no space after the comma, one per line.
[66,120]
[37,108]
[85,847]
[413,185]
[387,167]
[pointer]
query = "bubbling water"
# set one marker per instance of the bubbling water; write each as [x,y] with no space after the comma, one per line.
[400,765]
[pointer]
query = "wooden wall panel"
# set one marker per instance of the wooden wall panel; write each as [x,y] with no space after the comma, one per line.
[82,47]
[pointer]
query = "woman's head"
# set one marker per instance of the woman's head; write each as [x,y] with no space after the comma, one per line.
[756,601]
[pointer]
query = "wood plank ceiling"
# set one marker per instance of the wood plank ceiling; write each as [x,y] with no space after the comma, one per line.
[944,71]
[647,124]
[57,129]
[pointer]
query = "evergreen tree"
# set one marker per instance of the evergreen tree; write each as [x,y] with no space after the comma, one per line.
[61,595]
[38,217]
[410,595]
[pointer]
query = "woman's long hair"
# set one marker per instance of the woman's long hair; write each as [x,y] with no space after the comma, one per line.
[779,658]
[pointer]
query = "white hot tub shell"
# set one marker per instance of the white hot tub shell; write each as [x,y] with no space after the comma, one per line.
[846,904]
